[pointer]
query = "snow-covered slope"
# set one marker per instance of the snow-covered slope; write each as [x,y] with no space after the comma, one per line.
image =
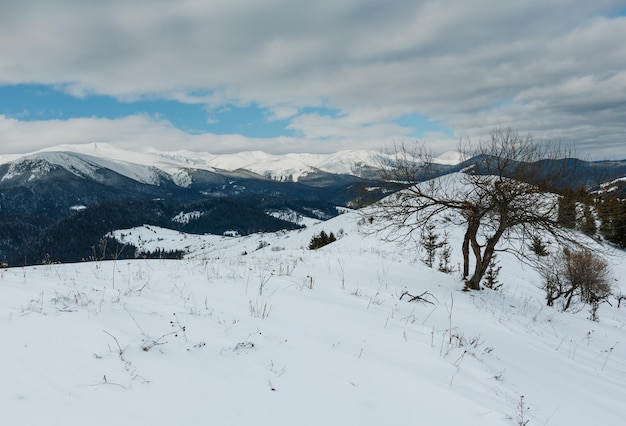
[259,330]
[37,165]
[450,158]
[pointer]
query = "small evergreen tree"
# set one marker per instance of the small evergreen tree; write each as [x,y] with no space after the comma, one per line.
[321,240]
[444,255]
[588,225]
[538,246]
[430,242]
[604,214]
[491,276]
[566,215]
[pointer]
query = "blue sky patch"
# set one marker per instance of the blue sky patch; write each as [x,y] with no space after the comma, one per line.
[422,125]
[41,102]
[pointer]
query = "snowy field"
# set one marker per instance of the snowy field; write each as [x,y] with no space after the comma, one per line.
[259,330]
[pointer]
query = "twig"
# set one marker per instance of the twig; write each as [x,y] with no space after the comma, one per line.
[121,351]
[418,298]
[106,382]
[608,352]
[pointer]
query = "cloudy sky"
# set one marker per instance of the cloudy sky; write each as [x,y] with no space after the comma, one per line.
[311,76]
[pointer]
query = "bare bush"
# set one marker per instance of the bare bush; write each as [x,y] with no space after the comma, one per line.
[577,275]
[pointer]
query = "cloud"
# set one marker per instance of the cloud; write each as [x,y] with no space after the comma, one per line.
[129,132]
[554,68]
[319,135]
[282,112]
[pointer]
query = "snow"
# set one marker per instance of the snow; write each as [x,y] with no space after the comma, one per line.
[259,330]
[17,168]
[182,178]
[284,167]
[110,154]
[187,217]
[82,165]
[450,158]
[294,217]
[147,166]
[611,186]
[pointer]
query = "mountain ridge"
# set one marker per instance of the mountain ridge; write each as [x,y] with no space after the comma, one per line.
[285,167]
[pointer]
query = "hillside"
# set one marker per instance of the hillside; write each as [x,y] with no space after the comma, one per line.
[260,330]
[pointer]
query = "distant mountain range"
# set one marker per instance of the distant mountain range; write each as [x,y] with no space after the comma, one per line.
[152,166]
[155,167]
[57,204]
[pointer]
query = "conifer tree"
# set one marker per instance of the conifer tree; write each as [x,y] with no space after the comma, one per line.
[588,225]
[566,215]
[430,242]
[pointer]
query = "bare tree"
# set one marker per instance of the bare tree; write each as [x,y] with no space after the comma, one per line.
[501,198]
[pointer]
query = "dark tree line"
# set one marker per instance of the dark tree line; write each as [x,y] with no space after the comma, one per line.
[81,236]
[593,215]
[575,211]
[612,215]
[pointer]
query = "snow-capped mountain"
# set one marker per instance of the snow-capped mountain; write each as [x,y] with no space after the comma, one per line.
[295,167]
[150,167]
[38,165]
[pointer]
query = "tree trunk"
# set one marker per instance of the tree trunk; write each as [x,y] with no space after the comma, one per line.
[482,264]
[473,223]
[474,282]
[483,259]
[466,242]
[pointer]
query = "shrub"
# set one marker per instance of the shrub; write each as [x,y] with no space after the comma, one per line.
[321,240]
[577,274]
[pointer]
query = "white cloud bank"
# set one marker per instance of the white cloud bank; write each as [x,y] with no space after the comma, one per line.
[556,69]
[142,132]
